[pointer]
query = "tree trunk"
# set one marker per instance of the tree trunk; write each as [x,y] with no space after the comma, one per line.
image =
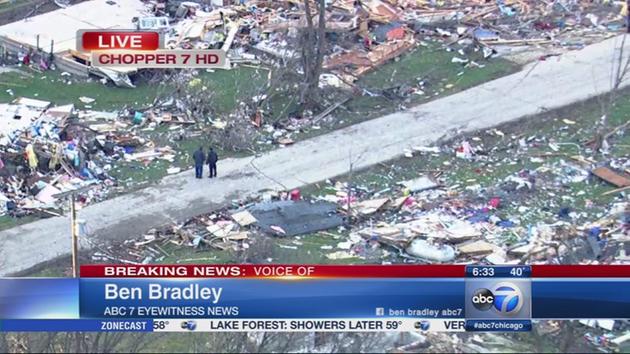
[307,52]
[319,57]
[313,47]
[620,69]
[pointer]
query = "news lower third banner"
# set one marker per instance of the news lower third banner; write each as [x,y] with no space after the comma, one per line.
[485,299]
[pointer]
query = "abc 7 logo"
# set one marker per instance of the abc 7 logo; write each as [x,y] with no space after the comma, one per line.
[505,298]
[189,325]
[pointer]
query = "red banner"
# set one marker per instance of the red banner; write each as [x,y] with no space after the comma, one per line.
[273,271]
[334,271]
[580,271]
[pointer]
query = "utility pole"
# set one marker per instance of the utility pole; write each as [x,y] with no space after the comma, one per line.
[75,237]
[74,229]
[51,55]
[349,185]
[628,16]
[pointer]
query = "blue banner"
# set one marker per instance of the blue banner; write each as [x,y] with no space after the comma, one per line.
[581,298]
[553,298]
[271,298]
[39,298]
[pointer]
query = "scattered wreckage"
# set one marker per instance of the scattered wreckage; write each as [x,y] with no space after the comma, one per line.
[362,35]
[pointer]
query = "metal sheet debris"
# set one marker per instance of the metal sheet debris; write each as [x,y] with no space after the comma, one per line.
[295,217]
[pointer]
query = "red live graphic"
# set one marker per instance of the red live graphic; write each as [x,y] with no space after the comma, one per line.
[120,40]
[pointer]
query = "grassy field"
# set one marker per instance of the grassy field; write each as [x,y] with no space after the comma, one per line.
[504,159]
[430,64]
[263,249]
[307,249]
[503,162]
[7,222]
[227,86]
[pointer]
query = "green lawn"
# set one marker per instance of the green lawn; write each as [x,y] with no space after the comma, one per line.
[7,222]
[430,64]
[308,248]
[227,86]
[59,89]
[135,175]
[305,249]
[504,159]
[503,162]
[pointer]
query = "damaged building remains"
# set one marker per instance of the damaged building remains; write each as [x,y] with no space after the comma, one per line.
[307,79]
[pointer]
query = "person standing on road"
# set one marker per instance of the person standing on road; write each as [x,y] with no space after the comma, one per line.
[199,158]
[212,162]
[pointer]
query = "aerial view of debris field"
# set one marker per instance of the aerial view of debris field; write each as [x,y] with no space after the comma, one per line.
[345,132]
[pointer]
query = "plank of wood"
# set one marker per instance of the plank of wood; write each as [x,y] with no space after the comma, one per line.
[237,236]
[476,248]
[244,218]
[616,190]
[611,177]
[368,207]
[397,203]
[329,110]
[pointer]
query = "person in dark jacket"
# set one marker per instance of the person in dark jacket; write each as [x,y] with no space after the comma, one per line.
[199,158]
[212,162]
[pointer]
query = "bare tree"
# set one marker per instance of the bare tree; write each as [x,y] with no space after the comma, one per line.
[313,46]
[352,162]
[198,101]
[620,67]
